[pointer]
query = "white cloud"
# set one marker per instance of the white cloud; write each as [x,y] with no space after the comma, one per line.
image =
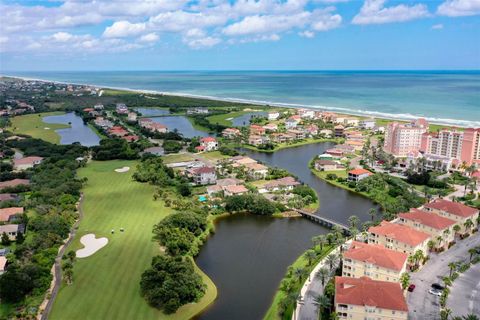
[150,37]
[323,20]
[306,34]
[458,8]
[266,24]
[121,29]
[198,43]
[374,12]
[62,36]
[437,26]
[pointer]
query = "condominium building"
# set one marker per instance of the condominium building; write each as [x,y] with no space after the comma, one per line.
[374,261]
[364,298]
[456,211]
[402,138]
[399,237]
[471,146]
[431,223]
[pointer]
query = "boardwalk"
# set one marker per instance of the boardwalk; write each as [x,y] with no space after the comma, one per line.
[323,221]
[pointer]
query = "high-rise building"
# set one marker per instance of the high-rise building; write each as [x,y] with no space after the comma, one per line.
[471,146]
[401,138]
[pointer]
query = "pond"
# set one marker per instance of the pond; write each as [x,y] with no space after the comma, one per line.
[182,124]
[244,120]
[248,255]
[78,131]
[152,112]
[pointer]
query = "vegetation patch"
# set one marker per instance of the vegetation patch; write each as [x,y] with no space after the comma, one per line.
[33,125]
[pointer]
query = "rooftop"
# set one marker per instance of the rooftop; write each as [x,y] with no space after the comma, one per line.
[27,160]
[377,255]
[455,208]
[14,183]
[235,189]
[6,213]
[359,171]
[400,233]
[367,292]
[427,218]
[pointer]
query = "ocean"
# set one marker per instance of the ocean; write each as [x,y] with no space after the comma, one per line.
[445,97]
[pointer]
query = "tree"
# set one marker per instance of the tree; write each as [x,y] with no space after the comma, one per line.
[299,273]
[405,280]
[445,314]
[68,275]
[468,224]
[456,228]
[20,238]
[5,239]
[331,260]
[354,222]
[310,255]
[323,275]
[71,256]
[472,251]
[453,267]
[372,213]
[431,245]
[323,303]
[319,240]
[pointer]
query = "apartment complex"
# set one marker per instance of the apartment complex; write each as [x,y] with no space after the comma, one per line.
[402,138]
[471,146]
[364,298]
[398,237]
[456,211]
[374,261]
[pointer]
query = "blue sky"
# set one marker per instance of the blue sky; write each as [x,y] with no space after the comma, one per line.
[240,34]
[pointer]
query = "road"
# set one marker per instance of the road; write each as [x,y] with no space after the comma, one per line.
[464,295]
[423,305]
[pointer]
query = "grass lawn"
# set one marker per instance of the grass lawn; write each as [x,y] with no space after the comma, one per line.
[213,155]
[33,125]
[221,119]
[179,157]
[290,145]
[106,284]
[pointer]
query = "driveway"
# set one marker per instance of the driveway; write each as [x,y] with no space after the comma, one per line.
[423,305]
[464,297]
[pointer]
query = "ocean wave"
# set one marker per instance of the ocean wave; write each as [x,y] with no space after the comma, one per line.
[343,110]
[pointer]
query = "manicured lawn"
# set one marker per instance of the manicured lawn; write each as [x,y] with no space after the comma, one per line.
[291,145]
[213,155]
[222,118]
[106,284]
[182,157]
[33,125]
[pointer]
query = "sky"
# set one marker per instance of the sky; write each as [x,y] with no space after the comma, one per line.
[89,35]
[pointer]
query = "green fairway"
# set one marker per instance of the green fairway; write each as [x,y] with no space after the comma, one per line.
[33,125]
[106,284]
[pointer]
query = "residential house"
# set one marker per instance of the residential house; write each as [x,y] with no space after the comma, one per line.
[234,190]
[3,264]
[242,161]
[255,129]
[299,134]
[98,107]
[306,113]
[356,175]
[364,298]
[229,182]
[214,190]
[203,175]
[231,133]
[255,140]
[312,130]
[356,144]
[291,123]
[351,121]
[270,127]
[327,133]
[367,124]
[197,110]
[103,123]
[273,115]
[454,211]
[257,170]
[9,214]
[157,151]
[14,183]
[328,165]
[373,261]
[131,138]
[12,230]
[433,224]
[26,163]
[132,117]
[8,197]
[339,131]
[121,108]
[286,183]
[399,237]
[117,131]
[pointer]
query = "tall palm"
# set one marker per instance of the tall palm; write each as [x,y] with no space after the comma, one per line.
[310,255]
[299,273]
[468,224]
[445,314]
[372,213]
[323,275]
[456,228]
[319,241]
[453,267]
[405,280]
[323,303]
[331,260]
[470,316]
[472,251]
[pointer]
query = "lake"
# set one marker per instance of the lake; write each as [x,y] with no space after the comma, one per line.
[182,124]
[152,112]
[248,255]
[244,120]
[78,131]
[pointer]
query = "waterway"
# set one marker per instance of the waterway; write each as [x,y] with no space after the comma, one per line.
[152,112]
[78,131]
[248,255]
[182,124]
[244,119]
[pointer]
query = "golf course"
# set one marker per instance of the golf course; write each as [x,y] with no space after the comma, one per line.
[33,125]
[106,284]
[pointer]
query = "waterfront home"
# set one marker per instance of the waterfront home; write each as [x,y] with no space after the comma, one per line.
[273,115]
[103,123]
[14,183]
[157,151]
[374,261]
[209,143]
[132,117]
[256,170]
[281,137]
[356,175]
[364,298]
[367,124]
[271,127]
[328,165]
[356,144]
[255,140]
[282,184]
[3,263]
[9,214]
[197,110]
[328,116]
[351,121]
[202,175]
[231,133]
[131,138]
[327,133]
[26,163]
[234,190]
[214,190]
[399,237]
[149,124]
[8,197]
[229,182]
[435,225]
[255,129]
[454,211]
[311,129]
[339,131]
[121,108]
[117,131]
[306,113]
[325,156]
[291,123]
[241,160]
[298,134]
[12,230]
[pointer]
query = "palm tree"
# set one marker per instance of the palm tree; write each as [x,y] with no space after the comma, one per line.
[431,245]
[372,213]
[331,260]
[452,266]
[468,224]
[319,241]
[456,228]
[322,274]
[445,314]
[447,281]
[439,240]
[472,251]
[299,273]
[470,316]
[310,255]
[323,303]
[353,221]
[68,275]
[419,256]
[405,280]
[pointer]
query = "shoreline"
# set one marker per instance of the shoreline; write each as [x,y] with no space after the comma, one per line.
[360,113]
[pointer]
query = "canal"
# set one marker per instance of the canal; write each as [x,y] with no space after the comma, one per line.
[248,255]
[78,131]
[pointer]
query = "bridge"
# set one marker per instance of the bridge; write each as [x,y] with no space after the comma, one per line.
[323,221]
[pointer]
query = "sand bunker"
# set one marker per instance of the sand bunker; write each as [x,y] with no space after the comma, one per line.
[46,128]
[124,169]
[91,245]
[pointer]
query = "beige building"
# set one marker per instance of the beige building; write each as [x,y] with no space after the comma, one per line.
[26,163]
[373,261]
[364,298]
[400,138]
[399,237]
[454,211]
[431,223]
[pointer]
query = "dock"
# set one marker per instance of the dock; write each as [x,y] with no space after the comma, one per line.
[323,221]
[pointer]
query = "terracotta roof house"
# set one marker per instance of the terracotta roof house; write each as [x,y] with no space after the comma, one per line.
[374,261]
[131,138]
[229,182]
[12,230]
[257,170]
[364,298]
[455,211]
[358,174]
[234,190]
[6,214]
[245,160]
[14,183]
[3,263]
[26,163]
[398,237]
[212,190]
[209,143]
[257,130]
[8,197]
[203,175]
[286,183]
[231,133]
[328,165]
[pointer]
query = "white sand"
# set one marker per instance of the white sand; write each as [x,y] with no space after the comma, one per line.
[46,128]
[124,169]
[91,245]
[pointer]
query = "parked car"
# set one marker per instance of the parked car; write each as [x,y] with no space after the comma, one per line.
[437,286]
[435,292]
[411,287]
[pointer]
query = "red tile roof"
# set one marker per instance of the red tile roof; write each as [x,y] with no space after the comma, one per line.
[235,189]
[367,292]
[427,218]
[377,255]
[400,233]
[208,139]
[27,160]
[204,170]
[6,213]
[455,208]
[14,183]
[359,171]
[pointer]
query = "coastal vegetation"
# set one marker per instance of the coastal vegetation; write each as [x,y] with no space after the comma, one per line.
[33,125]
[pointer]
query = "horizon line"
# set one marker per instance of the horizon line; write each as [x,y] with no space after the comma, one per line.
[252,70]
